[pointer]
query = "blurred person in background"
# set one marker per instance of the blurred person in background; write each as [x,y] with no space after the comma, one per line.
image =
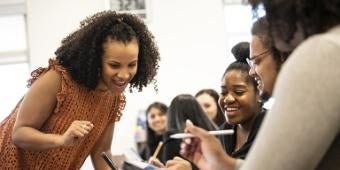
[156,123]
[208,99]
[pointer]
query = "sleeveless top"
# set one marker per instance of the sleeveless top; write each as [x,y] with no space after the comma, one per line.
[74,102]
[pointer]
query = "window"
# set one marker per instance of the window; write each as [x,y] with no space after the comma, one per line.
[14,69]
[239,20]
[12,86]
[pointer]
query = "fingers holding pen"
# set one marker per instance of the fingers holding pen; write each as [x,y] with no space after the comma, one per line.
[156,162]
[188,147]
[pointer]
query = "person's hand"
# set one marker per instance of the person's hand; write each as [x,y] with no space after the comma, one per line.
[154,161]
[77,130]
[177,164]
[205,150]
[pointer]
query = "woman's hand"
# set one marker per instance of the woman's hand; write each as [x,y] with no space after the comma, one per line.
[178,164]
[77,130]
[154,161]
[205,150]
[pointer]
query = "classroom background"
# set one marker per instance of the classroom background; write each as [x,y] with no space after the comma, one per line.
[194,38]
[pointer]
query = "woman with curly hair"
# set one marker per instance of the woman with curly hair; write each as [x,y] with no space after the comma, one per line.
[71,107]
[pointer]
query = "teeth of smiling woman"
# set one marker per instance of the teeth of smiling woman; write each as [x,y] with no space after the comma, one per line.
[120,83]
[231,109]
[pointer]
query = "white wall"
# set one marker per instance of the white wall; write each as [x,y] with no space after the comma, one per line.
[190,35]
[49,21]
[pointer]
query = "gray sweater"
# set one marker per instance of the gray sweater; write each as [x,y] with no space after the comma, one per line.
[301,131]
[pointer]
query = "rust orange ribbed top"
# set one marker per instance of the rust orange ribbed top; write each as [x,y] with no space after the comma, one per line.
[74,102]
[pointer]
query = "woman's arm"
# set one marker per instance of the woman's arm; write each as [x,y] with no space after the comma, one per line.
[35,109]
[103,145]
[205,150]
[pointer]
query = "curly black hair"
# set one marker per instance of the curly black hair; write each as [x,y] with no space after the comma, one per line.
[314,16]
[81,51]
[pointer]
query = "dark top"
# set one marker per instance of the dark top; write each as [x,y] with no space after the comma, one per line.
[146,151]
[229,141]
[171,149]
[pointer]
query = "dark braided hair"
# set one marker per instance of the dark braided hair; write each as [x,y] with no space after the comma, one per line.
[81,51]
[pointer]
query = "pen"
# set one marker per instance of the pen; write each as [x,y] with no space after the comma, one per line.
[109,161]
[157,149]
[215,132]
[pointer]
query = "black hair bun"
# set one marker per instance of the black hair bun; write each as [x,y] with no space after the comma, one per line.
[241,51]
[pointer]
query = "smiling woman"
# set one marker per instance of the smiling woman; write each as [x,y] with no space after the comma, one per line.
[119,65]
[239,101]
[156,123]
[71,107]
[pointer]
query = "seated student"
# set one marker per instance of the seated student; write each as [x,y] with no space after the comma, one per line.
[268,63]
[181,108]
[156,125]
[239,101]
[208,99]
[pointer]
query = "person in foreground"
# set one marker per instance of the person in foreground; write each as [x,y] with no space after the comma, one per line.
[71,107]
[301,131]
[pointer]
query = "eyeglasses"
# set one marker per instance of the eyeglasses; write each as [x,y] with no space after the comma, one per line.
[251,61]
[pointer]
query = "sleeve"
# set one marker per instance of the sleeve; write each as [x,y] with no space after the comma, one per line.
[304,120]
